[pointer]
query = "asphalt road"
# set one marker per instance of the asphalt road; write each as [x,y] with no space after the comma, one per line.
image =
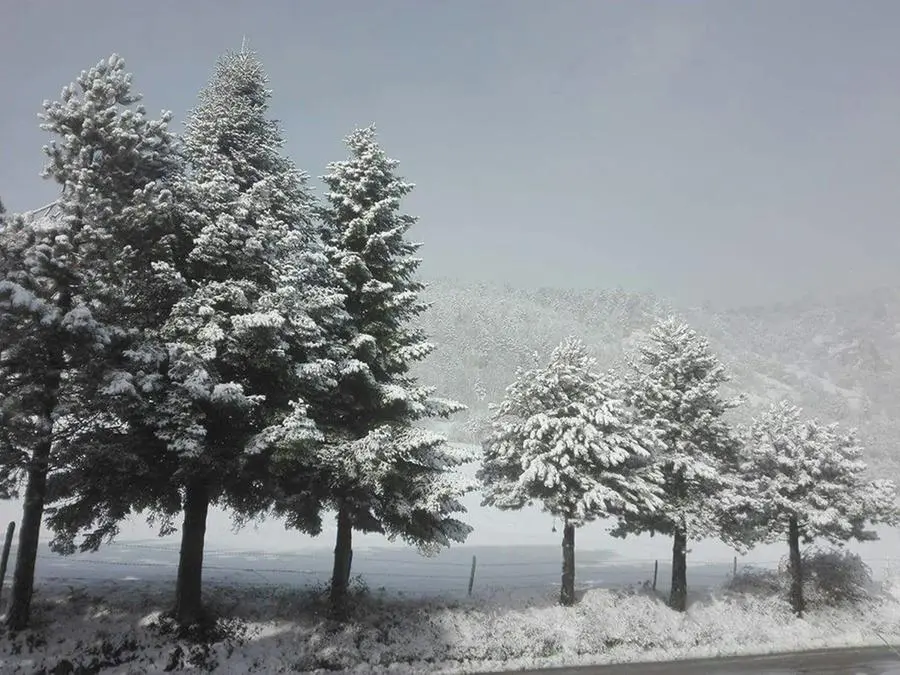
[874,661]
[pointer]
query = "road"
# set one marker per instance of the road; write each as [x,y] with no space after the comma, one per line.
[874,661]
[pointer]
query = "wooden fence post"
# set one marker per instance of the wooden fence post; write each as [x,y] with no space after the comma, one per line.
[734,568]
[10,529]
[472,575]
[655,572]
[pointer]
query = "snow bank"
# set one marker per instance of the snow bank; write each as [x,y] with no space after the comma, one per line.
[114,627]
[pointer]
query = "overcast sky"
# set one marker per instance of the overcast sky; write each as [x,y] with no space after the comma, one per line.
[728,150]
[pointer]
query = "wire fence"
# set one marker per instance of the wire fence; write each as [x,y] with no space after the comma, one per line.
[490,568]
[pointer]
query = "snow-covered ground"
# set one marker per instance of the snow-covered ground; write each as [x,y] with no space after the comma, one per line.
[98,609]
[112,626]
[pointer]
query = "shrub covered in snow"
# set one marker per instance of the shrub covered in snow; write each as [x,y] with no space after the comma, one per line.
[835,577]
[832,578]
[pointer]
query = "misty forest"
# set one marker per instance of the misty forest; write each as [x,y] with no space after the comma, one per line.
[192,324]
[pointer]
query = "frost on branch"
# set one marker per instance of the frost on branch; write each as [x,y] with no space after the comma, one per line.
[409,477]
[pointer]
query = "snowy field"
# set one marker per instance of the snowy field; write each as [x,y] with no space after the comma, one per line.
[397,570]
[382,568]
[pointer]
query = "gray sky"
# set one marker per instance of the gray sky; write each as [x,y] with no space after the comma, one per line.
[726,150]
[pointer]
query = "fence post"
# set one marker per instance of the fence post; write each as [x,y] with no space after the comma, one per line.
[655,572]
[472,575]
[5,559]
[734,568]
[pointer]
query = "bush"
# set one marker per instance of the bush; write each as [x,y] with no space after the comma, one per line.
[835,577]
[831,578]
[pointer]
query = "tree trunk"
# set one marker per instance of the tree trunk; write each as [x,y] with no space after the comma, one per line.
[33,509]
[29,536]
[567,593]
[343,555]
[188,588]
[797,602]
[678,593]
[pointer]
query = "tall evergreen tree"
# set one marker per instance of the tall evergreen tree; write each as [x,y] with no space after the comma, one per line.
[219,384]
[386,475]
[675,389]
[33,356]
[801,480]
[562,437]
[261,293]
[73,280]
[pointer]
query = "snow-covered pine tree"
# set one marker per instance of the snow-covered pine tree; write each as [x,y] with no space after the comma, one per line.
[563,437]
[802,480]
[218,384]
[32,358]
[386,474]
[675,389]
[248,343]
[74,277]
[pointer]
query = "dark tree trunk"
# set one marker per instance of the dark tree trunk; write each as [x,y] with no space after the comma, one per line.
[188,588]
[567,593]
[33,509]
[29,536]
[797,602]
[343,556]
[678,593]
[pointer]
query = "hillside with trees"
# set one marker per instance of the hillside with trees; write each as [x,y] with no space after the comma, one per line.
[835,357]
